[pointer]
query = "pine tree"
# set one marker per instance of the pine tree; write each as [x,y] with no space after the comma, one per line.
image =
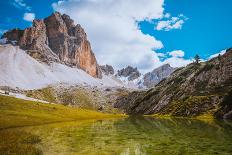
[197,59]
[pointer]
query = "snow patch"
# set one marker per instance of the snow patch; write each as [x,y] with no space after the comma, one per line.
[3,41]
[19,70]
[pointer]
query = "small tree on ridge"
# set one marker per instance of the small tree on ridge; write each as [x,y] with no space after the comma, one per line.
[197,59]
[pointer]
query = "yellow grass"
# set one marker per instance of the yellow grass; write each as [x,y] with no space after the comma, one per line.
[17,112]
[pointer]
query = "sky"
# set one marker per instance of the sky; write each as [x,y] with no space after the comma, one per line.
[141,33]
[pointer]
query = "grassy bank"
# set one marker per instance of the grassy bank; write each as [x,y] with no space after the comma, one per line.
[17,112]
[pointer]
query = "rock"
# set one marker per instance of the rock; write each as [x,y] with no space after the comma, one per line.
[107,89]
[107,69]
[129,72]
[57,39]
[150,79]
[194,90]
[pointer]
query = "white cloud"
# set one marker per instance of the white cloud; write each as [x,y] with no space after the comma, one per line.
[177,61]
[177,53]
[21,4]
[172,23]
[161,55]
[112,28]
[215,55]
[167,15]
[29,17]
[2,31]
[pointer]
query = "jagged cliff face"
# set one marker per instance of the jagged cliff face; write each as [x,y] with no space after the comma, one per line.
[56,38]
[129,72]
[196,90]
[107,69]
[150,79]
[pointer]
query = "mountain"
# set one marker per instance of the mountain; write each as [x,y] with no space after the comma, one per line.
[131,76]
[57,39]
[152,78]
[197,90]
[107,69]
[149,80]
[129,73]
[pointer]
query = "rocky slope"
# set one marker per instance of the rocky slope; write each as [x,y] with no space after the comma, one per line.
[94,98]
[18,70]
[57,39]
[203,89]
[152,78]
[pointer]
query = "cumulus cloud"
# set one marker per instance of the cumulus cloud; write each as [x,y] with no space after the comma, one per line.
[20,4]
[116,38]
[112,28]
[215,55]
[172,23]
[29,17]
[177,53]
[176,59]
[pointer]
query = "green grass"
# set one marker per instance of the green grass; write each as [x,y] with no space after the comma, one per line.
[78,98]
[17,112]
[19,142]
[46,94]
[191,106]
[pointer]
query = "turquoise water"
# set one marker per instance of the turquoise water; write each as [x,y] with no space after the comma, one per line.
[133,135]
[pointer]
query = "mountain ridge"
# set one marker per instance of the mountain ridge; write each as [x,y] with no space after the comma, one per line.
[195,90]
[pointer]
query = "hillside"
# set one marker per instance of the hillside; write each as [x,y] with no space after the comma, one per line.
[203,89]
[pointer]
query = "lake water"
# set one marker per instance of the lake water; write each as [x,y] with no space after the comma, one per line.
[133,135]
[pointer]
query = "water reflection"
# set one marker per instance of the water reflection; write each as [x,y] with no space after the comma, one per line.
[133,135]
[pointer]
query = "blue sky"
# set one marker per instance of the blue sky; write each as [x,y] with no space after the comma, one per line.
[205,28]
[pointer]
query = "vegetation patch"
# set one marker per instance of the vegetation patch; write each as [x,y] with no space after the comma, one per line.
[46,94]
[78,98]
[19,142]
[226,107]
[190,106]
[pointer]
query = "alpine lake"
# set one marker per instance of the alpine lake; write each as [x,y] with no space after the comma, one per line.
[127,136]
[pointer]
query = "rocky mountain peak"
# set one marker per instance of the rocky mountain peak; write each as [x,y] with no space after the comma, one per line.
[154,77]
[107,69]
[129,72]
[57,39]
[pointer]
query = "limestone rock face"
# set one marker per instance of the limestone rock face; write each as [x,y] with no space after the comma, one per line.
[57,38]
[150,79]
